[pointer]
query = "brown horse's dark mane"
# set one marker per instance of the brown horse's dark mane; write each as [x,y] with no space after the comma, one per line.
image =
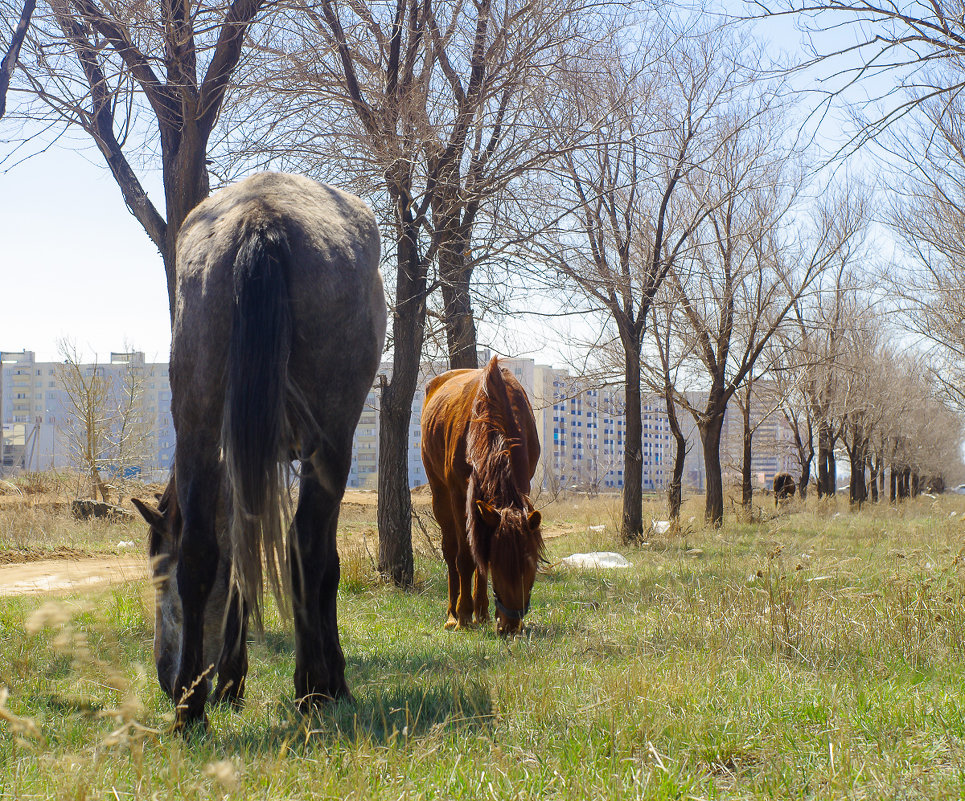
[492,436]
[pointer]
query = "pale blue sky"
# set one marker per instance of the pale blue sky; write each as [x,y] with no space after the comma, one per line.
[75,263]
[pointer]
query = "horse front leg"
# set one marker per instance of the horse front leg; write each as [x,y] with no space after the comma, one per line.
[480,596]
[196,572]
[319,661]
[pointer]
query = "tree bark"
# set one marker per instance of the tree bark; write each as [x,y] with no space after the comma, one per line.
[826,465]
[747,488]
[710,426]
[805,477]
[873,478]
[408,328]
[857,488]
[632,525]
[456,275]
[186,184]
[893,495]
[674,491]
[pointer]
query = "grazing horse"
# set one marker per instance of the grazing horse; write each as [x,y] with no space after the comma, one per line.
[784,487]
[480,449]
[278,330]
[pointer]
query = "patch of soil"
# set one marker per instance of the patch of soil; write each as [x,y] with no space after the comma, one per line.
[20,556]
[68,575]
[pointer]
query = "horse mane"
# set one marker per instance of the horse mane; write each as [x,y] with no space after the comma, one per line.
[494,473]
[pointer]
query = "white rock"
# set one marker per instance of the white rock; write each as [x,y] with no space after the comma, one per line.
[660,526]
[597,529]
[598,560]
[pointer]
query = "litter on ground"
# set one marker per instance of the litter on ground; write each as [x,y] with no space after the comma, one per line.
[603,560]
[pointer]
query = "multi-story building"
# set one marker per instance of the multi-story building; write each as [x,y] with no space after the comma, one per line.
[41,404]
[581,425]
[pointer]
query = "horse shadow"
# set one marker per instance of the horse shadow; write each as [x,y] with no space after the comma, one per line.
[395,698]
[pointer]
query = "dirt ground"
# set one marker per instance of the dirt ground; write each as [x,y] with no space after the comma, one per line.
[23,573]
[68,575]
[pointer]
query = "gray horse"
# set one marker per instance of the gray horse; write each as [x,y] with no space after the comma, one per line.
[278,330]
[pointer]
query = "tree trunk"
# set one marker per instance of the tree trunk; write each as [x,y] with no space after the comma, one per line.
[710,426]
[915,484]
[455,276]
[824,460]
[805,477]
[674,491]
[747,488]
[873,478]
[185,177]
[632,524]
[893,495]
[408,329]
[857,489]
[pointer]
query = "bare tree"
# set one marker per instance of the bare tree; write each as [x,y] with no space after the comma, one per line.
[790,374]
[751,270]
[612,221]
[424,111]
[85,429]
[106,427]
[904,55]
[928,214]
[142,80]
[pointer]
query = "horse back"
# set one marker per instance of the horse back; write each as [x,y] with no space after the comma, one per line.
[333,285]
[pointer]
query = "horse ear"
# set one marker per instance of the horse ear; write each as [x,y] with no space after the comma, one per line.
[153,516]
[534,519]
[489,515]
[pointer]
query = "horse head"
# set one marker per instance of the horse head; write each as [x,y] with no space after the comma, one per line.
[164,538]
[165,531]
[511,554]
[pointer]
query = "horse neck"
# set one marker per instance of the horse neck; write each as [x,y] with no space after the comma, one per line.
[496,479]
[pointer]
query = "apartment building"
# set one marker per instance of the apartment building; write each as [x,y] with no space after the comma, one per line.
[581,425]
[39,409]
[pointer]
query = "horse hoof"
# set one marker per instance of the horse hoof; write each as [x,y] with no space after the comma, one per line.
[451,624]
[190,726]
[313,702]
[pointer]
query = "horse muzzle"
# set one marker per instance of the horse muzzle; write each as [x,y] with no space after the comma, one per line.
[512,619]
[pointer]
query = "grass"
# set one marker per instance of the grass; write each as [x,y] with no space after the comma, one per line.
[816,654]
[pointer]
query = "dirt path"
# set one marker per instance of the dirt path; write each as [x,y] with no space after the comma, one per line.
[68,575]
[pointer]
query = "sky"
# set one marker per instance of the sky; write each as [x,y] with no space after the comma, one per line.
[74,263]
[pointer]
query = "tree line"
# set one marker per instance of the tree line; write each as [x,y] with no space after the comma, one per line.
[643,167]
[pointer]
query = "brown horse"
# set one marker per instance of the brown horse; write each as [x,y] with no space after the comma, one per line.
[784,487]
[480,449]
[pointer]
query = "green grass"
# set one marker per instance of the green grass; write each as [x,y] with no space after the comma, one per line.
[806,656]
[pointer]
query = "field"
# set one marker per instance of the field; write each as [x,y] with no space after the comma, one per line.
[812,654]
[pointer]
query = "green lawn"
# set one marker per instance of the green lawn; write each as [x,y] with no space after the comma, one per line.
[809,656]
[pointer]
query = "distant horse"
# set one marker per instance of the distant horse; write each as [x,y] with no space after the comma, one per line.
[278,330]
[784,487]
[480,449]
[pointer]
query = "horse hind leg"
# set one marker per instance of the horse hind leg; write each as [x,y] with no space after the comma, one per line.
[233,666]
[319,661]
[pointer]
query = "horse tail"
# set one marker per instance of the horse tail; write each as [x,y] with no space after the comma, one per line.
[256,433]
